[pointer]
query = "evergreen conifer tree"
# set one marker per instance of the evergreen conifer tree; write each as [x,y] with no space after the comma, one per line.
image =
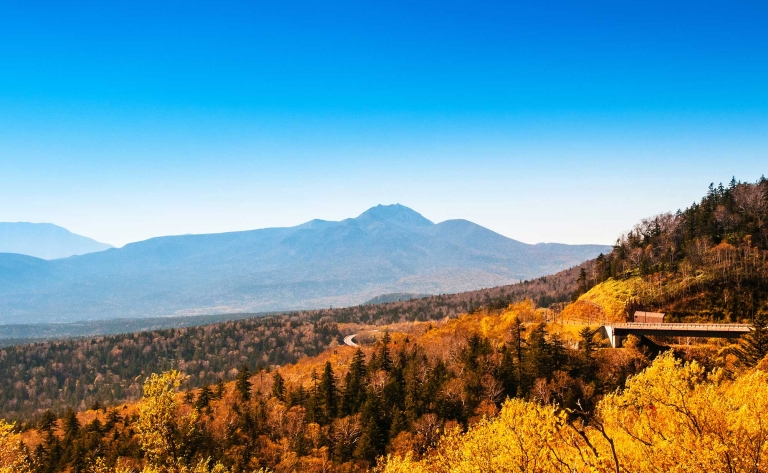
[754,345]
[278,386]
[385,357]
[204,397]
[372,439]
[243,383]
[328,392]
[69,424]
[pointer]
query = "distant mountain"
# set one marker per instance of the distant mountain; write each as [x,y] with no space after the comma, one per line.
[45,241]
[387,249]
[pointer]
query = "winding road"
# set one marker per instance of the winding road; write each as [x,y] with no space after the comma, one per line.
[348,340]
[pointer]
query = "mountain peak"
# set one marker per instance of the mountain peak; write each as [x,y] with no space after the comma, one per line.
[45,240]
[395,213]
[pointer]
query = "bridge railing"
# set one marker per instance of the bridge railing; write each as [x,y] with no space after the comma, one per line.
[683,326]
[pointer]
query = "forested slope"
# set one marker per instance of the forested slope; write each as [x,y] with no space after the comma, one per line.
[494,390]
[446,383]
[76,373]
[708,262]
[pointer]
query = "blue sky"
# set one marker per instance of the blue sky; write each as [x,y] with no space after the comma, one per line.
[544,121]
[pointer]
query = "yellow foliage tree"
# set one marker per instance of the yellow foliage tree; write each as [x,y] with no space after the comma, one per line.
[159,429]
[162,430]
[13,458]
[672,417]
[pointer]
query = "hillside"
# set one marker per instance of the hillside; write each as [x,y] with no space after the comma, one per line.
[342,408]
[387,249]
[109,369]
[430,396]
[437,381]
[45,241]
[707,263]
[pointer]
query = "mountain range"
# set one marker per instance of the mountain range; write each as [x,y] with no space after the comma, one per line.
[387,249]
[45,241]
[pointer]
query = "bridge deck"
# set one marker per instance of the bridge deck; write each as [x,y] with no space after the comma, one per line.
[683,327]
[617,332]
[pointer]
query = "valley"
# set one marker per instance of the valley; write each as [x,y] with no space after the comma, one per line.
[424,383]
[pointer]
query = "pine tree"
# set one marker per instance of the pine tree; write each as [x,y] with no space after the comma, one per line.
[47,421]
[327,389]
[582,280]
[385,358]
[243,383]
[507,372]
[354,391]
[371,443]
[70,425]
[517,342]
[539,362]
[586,349]
[754,345]
[278,386]
[204,397]
[399,423]
[315,411]
[297,397]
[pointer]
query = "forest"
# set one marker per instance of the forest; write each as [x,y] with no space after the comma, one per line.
[437,400]
[80,373]
[481,381]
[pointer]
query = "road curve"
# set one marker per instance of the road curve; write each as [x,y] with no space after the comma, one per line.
[348,340]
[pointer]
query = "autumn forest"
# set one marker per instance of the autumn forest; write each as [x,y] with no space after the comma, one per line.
[508,379]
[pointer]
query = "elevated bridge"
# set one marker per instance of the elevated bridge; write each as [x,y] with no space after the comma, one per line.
[616,333]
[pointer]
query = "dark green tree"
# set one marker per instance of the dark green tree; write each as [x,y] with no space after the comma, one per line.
[354,385]
[372,440]
[243,383]
[204,397]
[327,392]
[508,372]
[70,426]
[517,348]
[586,353]
[47,422]
[754,345]
[385,357]
[278,386]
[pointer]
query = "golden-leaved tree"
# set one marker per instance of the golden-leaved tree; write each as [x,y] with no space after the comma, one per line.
[163,430]
[673,417]
[13,458]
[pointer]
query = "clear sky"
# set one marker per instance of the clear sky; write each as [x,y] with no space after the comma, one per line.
[544,121]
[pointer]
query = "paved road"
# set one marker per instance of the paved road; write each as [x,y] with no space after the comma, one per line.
[348,340]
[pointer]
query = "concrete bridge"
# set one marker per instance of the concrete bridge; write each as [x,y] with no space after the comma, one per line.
[616,333]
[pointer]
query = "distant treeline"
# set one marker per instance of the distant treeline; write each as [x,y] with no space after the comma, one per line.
[16,334]
[81,372]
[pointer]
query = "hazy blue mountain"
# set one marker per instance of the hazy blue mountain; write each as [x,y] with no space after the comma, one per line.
[45,240]
[387,249]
